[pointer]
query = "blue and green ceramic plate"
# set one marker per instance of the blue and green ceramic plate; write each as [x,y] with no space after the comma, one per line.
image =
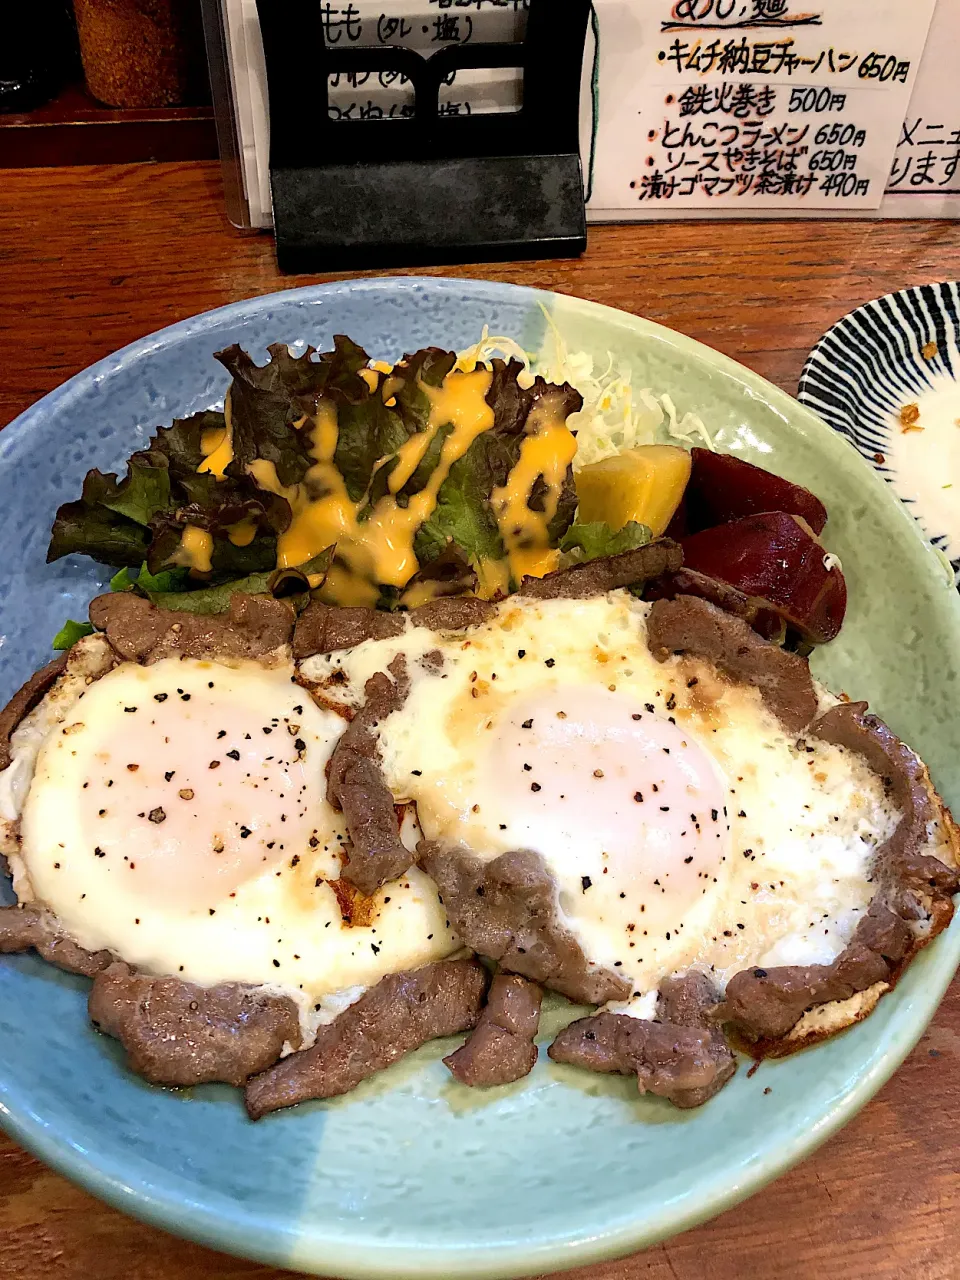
[411,1175]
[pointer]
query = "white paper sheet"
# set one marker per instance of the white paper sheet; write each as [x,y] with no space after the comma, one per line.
[752,104]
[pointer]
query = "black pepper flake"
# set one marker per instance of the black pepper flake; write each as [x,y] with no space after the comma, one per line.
[374,948]
[298,710]
[585,883]
[221,734]
[168,775]
[692,682]
[184,697]
[527,724]
[233,755]
[212,911]
[534,786]
[650,707]
[417,773]
[664,808]
[129,708]
[131,768]
[638,797]
[741,926]
[214,764]
[666,751]
[527,768]
[267,729]
[300,745]
[313,842]
[245,832]
[276,964]
[503,826]
[157,815]
[160,697]
[521,653]
[636,716]
[671,702]
[550,662]
[688,860]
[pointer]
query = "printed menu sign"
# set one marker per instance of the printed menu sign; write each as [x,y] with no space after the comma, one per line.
[744,105]
[925,177]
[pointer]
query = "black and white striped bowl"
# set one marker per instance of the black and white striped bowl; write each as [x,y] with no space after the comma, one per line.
[871,363]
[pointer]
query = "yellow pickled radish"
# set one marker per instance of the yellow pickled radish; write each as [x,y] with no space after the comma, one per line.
[643,484]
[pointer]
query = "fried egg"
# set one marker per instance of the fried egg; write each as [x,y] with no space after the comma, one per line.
[683,825]
[176,815]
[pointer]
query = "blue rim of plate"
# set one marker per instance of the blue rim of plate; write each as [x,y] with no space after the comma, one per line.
[871,361]
[244,1235]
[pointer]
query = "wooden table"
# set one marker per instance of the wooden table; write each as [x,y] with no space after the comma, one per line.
[92,258]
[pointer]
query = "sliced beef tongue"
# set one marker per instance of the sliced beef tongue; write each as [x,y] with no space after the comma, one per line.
[912,882]
[24,700]
[453,613]
[688,582]
[607,573]
[355,784]
[507,909]
[766,1004]
[256,627]
[179,1034]
[693,626]
[30,928]
[502,1048]
[678,1057]
[324,628]
[401,1013]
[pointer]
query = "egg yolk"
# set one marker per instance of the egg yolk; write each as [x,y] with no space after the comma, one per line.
[625,806]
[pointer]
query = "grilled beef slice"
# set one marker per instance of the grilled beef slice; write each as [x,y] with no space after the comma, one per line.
[256,627]
[24,700]
[697,627]
[323,628]
[453,613]
[607,573]
[688,582]
[31,928]
[401,1013]
[912,882]
[355,784]
[678,1057]
[501,1049]
[507,909]
[179,1034]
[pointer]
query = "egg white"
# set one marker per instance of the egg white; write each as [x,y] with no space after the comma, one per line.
[233,882]
[775,872]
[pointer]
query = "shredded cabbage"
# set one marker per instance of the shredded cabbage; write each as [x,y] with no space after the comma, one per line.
[614,416]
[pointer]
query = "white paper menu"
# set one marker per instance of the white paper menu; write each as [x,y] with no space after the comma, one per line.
[752,104]
[691,108]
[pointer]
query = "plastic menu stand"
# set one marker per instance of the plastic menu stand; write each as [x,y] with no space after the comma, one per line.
[434,188]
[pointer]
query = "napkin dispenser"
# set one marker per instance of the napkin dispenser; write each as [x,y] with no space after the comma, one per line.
[434,187]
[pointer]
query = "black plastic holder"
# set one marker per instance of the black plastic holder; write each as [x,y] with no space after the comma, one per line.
[433,188]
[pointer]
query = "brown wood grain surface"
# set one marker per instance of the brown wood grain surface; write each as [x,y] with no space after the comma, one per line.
[92,258]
